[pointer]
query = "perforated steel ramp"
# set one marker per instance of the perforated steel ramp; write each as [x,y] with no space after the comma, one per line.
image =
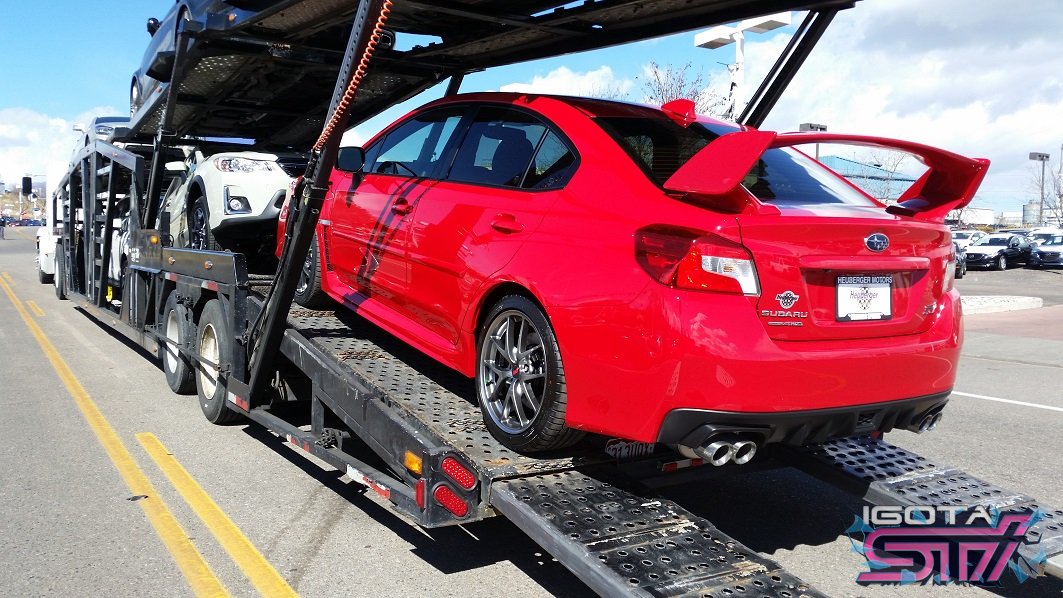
[439,411]
[884,474]
[627,543]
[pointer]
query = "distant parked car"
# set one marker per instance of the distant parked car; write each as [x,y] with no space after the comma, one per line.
[1044,236]
[961,259]
[965,237]
[1049,252]
[999,250]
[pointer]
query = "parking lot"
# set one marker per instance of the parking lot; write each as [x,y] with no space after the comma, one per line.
[74,523]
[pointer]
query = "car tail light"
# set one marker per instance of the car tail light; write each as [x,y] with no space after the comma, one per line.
[450,500]
[950,271]
[689,259]
[459,473]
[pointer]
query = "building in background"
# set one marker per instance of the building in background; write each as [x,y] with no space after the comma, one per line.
[972,217]
[882,184]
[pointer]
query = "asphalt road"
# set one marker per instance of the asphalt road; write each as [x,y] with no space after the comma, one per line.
[1046,283]
[74,525]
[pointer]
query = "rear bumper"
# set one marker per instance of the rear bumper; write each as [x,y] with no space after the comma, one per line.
[692,427]
[674,357]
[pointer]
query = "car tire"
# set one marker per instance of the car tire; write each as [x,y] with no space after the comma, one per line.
[308,291]
[199,234]
[176,329]
[42,277]
[961,271]
[1001,263]
[214,344]
[517,326]
[59,279]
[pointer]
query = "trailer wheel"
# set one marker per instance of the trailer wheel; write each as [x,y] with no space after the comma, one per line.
[520,379]
[214,343]
[42,277]
[308,291]
[59,280]
[177,329]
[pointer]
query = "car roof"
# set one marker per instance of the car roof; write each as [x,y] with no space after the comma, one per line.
[592,107]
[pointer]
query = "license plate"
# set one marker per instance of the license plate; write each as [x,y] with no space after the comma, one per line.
[864,298]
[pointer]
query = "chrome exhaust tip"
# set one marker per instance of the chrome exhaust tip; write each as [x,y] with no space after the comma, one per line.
[934,421]
[924,424]
[718,453]
[744,450]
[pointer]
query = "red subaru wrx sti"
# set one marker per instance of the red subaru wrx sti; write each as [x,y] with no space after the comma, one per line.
[648,273]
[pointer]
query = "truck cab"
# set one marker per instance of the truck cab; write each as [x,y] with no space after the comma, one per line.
[47,237]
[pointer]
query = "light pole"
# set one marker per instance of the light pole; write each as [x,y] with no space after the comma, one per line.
[1043,159]
[812,127]
[722,35]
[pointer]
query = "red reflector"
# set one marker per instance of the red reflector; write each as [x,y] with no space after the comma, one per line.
[418,494]
[450,500]
[457,472]
[660,249]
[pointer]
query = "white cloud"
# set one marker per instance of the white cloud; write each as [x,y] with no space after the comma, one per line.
[967,76]
[32,143]
[564,81]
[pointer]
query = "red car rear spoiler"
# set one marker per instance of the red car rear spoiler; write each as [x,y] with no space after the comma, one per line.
[715,172]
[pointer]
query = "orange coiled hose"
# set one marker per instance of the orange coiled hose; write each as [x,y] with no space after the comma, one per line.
[359,74]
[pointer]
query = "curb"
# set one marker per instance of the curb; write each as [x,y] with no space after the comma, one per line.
[988,304]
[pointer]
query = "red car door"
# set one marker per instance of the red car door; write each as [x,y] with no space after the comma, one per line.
[370,214]
[471,224]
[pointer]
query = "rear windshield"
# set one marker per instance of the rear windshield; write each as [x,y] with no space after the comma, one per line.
[660,146]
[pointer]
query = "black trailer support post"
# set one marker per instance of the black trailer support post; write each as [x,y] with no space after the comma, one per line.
[786,66]
[266,335]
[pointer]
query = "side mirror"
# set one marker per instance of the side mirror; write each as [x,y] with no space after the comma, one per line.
[176,166]
[350,159]
[153,26]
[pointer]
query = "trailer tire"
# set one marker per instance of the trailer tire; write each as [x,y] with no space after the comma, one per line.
[308,291]
[60,278]
[214,344]
[539,376]
[177,330]
[42,277]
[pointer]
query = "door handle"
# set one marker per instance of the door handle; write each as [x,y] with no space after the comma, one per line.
[506,223]
[401,207]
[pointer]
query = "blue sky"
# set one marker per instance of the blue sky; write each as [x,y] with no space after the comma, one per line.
[959,74]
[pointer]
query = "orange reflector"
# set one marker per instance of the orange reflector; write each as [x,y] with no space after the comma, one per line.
[154,239]
[457,472]
[418,493]
[450,500]
[413,463]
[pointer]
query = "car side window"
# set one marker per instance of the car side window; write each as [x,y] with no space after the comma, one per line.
[498,148]
[553,165]
[416,147]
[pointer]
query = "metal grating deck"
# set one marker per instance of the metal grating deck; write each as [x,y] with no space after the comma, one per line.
[397,375]
[620,542]
[884,474]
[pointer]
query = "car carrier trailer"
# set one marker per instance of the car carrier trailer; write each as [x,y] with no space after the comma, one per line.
[347,393]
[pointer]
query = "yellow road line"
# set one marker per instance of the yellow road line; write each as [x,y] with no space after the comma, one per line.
[36,309]
[255,566]
[191,563]
[8,278]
